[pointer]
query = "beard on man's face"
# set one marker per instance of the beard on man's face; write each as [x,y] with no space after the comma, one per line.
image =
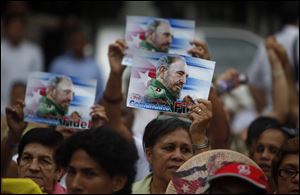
[174,87]
[165,48]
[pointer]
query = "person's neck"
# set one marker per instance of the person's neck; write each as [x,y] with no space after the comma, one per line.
[158,185]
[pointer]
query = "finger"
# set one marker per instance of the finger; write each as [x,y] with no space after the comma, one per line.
[199,43]
[113,47]
[270,41]
[207,103]
[97,110]
[193,116]
[9,110]
[21,102]
[196,52]
[100,116]
[122,42]
[97,107]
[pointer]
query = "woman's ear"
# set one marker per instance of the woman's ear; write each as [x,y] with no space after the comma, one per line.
[119,182]
[148,153]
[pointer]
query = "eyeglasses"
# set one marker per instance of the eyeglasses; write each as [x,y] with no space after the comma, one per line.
[288,172]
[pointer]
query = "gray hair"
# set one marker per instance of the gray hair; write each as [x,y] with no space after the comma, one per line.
[55,80]
[166,61]
[153,24]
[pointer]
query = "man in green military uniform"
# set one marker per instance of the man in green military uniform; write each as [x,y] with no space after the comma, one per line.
[171,75]
[158,36]
[58,98]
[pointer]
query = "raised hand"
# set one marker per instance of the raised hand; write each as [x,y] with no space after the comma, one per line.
[15,121]
[201,114]
[200,50]
[276,53]
[98,114]
[116,52]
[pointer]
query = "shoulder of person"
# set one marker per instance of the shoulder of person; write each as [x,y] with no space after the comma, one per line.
[143,186]
[46,105]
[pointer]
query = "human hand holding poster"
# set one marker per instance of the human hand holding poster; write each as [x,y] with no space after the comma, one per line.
[168,82]
[157,35]
[59,100]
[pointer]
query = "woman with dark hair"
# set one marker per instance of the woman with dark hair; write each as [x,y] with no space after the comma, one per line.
[169,142]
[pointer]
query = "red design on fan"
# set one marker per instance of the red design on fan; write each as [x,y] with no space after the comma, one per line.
[183,186]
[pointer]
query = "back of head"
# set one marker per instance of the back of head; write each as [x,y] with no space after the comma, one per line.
[107,148]
[160,127]
[45,136]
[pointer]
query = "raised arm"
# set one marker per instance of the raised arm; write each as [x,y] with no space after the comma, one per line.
[218,130]
[201,115]
[293,101]
[16,124]
[112,98]
[280,90]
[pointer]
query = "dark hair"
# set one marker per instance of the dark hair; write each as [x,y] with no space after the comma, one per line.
[110,150]
[258,126]
[160,127]
[289,147]
[45,136]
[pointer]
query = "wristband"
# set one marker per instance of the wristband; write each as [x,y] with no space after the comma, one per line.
[201,146]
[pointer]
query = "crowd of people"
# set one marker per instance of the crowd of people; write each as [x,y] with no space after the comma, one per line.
[109,158]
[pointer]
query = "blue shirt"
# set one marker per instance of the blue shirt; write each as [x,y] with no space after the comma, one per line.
[86,68]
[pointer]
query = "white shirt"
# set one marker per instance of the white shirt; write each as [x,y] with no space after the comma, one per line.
[16,64]
[259,72]
[142,165]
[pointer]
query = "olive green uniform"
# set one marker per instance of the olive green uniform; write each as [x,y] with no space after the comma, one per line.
[157,92]
[49,108]
[149,47]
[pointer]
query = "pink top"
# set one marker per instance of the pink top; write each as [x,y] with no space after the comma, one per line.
[58,189]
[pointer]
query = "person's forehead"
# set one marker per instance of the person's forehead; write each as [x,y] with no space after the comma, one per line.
[164,26]
[179,135]
[80,159]
[290,159]
[38,149]
[179,65]
[65,83]
[272,134]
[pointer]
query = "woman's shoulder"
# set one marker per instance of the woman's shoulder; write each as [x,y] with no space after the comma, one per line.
[142,186]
